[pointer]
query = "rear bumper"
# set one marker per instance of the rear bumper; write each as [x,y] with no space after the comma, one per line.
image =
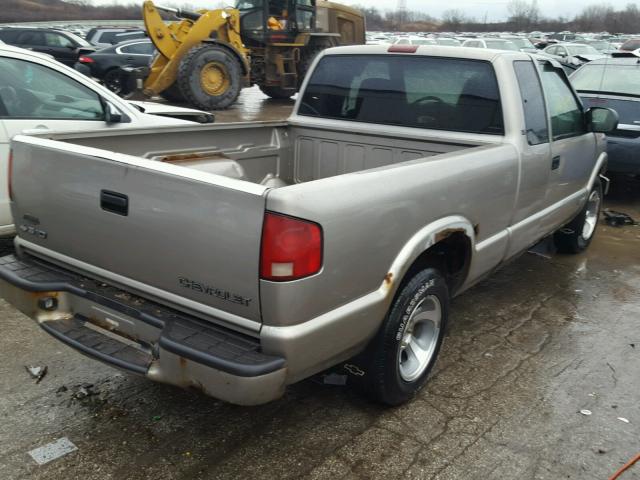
[142,337]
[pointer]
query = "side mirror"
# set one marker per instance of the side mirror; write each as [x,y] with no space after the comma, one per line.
[602,120]
[111,113]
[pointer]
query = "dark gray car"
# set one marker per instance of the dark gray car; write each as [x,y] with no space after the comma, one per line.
[615,83]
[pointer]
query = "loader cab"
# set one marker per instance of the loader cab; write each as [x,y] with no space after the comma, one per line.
[265,22]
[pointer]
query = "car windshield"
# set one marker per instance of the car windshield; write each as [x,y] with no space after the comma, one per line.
[631,44]
[624,79]
[79,40]
[521,42]
[582,50]
[448,41]
[501,45]
[248,4]
[601,46]
[422,41]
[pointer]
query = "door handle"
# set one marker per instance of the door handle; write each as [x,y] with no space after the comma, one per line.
[555,162]
[114,202]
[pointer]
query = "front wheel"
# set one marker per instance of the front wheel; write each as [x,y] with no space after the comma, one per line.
[576,236]
[400,357]
[209,77]
[114,81]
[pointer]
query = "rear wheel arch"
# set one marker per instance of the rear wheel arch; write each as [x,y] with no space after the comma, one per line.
[447,246]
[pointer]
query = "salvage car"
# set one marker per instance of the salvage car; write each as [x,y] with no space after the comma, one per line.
[237,259]
[38,92]
[106,64]
[64,46]
[573,54]
[615,83]
[494,43]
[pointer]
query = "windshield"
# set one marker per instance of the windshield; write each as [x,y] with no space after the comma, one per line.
[501,45]
[248,4]
[421,41]
[601,46]
[420,92]
[582,50]
[623,79]
[521,42]
[79,40]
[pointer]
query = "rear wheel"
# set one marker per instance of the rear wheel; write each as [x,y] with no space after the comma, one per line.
[173,94]
[277,92]
[398,360]
[576,236]
[209,77]
[114,81]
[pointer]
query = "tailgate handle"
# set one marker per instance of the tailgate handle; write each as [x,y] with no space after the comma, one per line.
[114,202]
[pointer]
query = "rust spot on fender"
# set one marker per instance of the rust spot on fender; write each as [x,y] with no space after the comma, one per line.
[447,232]
[388,279]
[183,362]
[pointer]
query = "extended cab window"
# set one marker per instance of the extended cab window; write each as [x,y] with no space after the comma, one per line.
[567,118]
[535,113]
[411,91]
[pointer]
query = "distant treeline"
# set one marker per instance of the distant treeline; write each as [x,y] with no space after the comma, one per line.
[46,10]
[522,15]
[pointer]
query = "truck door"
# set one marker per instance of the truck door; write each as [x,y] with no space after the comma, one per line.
[535,148]
[573,147]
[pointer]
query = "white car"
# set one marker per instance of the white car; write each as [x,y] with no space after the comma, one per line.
[414,40]
[37,92]
[494,43]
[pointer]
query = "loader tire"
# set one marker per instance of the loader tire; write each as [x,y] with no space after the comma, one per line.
[173,94]
[209,77]
[277,92]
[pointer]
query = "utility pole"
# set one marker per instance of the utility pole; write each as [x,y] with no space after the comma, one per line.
[402,13]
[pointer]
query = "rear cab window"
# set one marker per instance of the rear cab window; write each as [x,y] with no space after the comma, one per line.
[422,92]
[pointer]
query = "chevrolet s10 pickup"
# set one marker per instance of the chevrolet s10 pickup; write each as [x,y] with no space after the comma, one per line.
[238,259]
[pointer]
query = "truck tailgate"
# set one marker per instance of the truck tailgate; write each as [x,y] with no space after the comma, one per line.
[192,235]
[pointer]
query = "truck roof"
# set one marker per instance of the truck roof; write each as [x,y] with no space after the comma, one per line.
[487,54]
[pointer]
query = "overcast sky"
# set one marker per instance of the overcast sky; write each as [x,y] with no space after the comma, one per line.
[493,9]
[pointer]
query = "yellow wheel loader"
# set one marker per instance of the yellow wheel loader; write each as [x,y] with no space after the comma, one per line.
[206,57]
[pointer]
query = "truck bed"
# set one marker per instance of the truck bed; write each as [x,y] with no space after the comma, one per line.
[274,154]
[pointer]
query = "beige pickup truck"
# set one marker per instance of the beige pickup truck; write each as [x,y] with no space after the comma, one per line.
[240,258]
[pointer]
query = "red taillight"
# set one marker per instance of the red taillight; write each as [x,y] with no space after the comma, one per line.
[10,174]
[83,59]
[291,248]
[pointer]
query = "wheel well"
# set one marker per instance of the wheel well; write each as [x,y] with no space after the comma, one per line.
[451,254]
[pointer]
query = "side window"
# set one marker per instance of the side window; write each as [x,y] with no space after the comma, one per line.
[552,50]
[144,48]
[567,118]
[57,40]
[30,90]
[535,113]
[31,38]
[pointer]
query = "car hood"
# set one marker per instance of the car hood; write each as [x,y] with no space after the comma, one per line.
[165,110]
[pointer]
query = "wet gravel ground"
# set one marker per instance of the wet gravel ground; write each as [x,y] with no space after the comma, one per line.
[543,338]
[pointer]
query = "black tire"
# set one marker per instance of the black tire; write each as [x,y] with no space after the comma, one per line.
[277,92]
[190,74]
[115,82]
[173,94]
[305,63]
[575,237]
[382,377]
